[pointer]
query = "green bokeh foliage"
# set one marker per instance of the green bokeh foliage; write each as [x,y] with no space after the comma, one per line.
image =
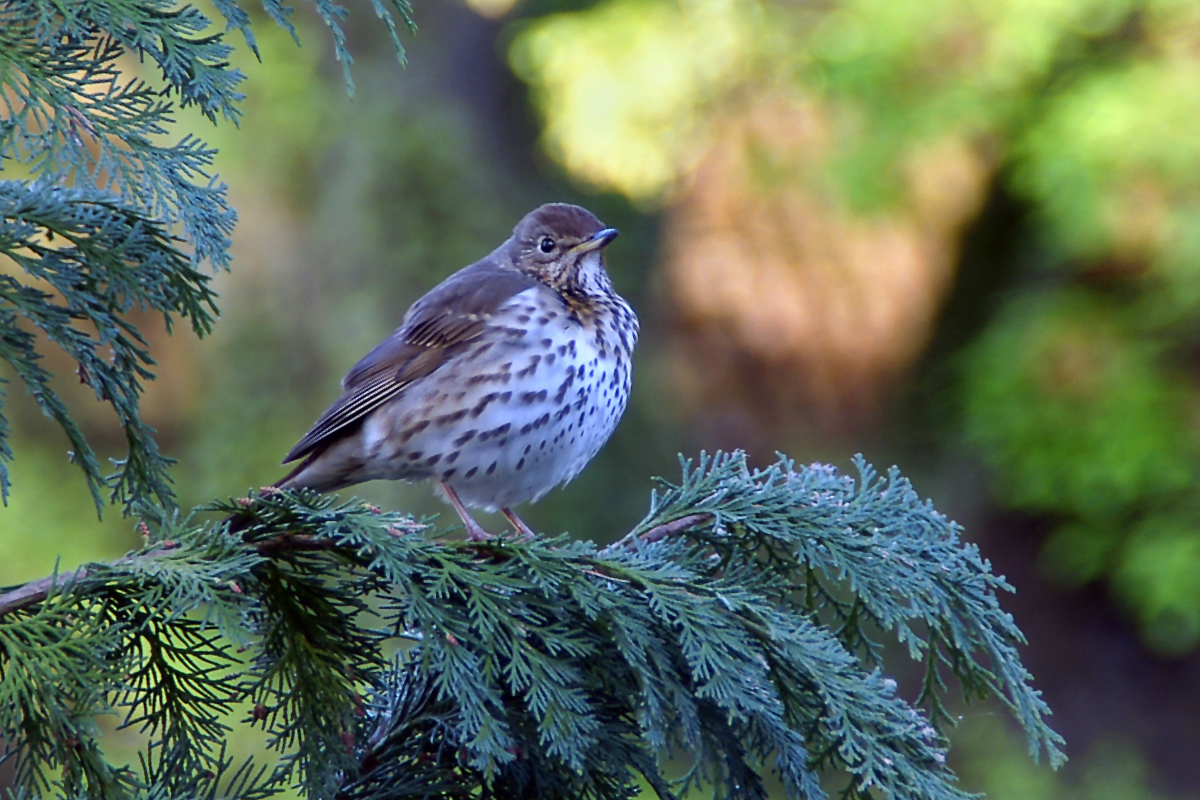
[1079,393]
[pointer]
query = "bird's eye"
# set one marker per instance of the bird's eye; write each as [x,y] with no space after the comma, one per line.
[546,244]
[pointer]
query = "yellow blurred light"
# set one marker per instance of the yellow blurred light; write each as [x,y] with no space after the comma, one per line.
[492,9]
[622,87]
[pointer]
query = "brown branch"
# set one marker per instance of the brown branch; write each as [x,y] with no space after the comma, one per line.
[660,532]
[37,591]
[290,543]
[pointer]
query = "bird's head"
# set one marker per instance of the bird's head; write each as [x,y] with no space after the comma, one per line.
[563,245]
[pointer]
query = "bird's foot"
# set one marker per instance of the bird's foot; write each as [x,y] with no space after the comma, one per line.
[475,531]
[523,529]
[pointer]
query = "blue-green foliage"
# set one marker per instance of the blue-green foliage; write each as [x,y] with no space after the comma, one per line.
[97,258]
[107,211]
[745,640]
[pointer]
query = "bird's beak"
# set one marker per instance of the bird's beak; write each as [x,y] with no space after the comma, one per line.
[597,241]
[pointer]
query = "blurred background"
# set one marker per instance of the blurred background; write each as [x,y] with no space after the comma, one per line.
[960,236]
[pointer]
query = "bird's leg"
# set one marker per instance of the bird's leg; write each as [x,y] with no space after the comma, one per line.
[523,529]
[475,531]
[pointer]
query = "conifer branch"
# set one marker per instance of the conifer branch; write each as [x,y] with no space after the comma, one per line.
[115,215]
[729,624]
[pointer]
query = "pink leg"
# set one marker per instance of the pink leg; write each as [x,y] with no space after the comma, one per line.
[475,531]
[523,529]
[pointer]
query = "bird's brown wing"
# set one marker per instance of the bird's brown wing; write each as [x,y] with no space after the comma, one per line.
[453,314]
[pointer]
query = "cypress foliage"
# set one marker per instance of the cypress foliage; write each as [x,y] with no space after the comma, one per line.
[92,223]
[739,626]
[738,630]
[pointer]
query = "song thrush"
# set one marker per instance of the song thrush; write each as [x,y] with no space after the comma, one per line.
[502,382]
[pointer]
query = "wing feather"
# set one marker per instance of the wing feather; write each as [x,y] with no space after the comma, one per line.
[451,316]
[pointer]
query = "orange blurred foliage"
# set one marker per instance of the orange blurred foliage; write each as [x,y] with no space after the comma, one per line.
[784,300]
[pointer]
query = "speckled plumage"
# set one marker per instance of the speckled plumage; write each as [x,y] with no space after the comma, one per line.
[503,382]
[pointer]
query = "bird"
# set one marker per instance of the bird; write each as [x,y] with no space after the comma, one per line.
[501,383]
